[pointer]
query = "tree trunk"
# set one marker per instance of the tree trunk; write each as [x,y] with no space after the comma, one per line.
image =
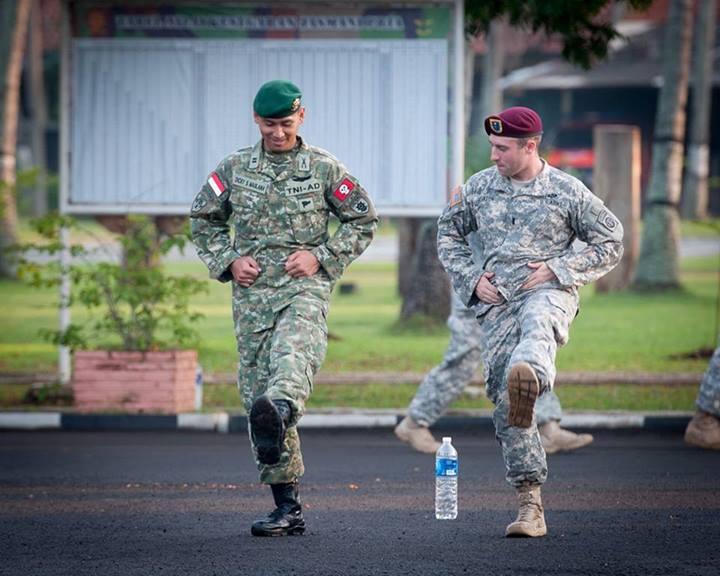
[695,186]
[493,63]
[658,265]
[429,292]
[407,244]
[39,109]
[14,18]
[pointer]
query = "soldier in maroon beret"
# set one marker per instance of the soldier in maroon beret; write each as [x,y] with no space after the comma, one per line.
[506,240]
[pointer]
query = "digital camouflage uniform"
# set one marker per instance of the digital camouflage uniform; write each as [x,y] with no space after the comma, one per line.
[537,223]
[277,203]
[708,399]
[463,356]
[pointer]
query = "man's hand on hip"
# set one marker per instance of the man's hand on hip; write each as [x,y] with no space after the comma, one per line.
[541,274]
[486,292]
[301,264]
[245,271]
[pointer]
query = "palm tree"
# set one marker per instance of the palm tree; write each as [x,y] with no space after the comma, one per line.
[695,186]
[14,16]
[657,267]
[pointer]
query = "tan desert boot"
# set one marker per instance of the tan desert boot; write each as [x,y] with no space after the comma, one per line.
[523,390]
[419,437]
[557,439]
[703,431]
[531,517]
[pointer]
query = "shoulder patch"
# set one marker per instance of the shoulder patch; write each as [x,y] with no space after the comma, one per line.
[199,203]
[456,196]
[608,220]
[360,206]
[344,188]
[216,184]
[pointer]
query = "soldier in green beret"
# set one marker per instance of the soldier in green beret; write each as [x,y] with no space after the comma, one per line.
[261,221]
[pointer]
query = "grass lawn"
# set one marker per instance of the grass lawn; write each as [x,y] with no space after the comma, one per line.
[618,332]
[625,331]
[398,396]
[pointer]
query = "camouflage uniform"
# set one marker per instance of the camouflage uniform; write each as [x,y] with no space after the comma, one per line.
[277,204]
[708,399]
[537,223]
[444,383]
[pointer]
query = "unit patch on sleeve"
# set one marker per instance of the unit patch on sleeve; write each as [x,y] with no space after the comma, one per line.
[456,196]
[360,206]
[342,191]
[199,204]
[607,220]
[216,184]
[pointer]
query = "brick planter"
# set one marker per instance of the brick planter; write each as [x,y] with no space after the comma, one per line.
[134,381]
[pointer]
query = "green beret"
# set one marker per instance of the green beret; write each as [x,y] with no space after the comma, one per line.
[277,99]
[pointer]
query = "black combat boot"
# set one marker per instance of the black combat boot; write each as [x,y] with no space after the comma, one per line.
[269,420]
[287,518]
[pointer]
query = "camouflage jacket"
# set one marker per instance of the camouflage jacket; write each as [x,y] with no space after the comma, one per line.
[277,204]
[509,229]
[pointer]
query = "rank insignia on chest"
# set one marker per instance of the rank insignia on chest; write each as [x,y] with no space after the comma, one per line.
[342,191]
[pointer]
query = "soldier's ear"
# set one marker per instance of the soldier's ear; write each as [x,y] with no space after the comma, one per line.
[301,115]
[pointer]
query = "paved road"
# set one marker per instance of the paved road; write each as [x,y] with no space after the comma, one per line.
[181,503]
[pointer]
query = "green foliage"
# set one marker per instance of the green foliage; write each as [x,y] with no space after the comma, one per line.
[50,394]
[626,332]
[584,35]
[132,301]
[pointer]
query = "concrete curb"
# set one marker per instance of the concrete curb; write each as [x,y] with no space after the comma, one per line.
[225,423]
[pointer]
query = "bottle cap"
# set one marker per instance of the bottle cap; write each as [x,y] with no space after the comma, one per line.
[447,439]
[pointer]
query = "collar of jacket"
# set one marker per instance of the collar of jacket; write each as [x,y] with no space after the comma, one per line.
[538,188]
[301,165]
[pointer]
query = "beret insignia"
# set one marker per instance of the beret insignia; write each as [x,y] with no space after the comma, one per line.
[496,125]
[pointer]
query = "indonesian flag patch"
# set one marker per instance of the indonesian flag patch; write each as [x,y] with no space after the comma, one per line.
[216,184]
[342,191]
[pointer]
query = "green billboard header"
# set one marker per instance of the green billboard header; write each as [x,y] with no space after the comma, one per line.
[95,20]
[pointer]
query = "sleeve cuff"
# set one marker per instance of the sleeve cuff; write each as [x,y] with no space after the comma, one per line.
[330,263]
[220,267]
[468,294]
[561,272]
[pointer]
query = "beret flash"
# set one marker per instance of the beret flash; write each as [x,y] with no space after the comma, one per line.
[515,122]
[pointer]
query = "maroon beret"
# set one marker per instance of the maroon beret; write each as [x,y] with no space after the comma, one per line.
[515,122]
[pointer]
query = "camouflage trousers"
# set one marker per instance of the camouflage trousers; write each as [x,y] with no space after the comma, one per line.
[528,329]
[279,358]
[444,383]
[708,399]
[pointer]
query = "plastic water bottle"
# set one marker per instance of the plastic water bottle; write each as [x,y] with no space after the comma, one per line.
[446,478]
[198,387]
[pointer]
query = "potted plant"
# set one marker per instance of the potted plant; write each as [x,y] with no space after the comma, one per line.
[133,348]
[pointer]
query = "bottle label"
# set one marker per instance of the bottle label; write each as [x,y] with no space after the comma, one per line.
[446,467]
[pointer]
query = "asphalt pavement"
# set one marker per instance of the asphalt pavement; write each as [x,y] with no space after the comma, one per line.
[636,502]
